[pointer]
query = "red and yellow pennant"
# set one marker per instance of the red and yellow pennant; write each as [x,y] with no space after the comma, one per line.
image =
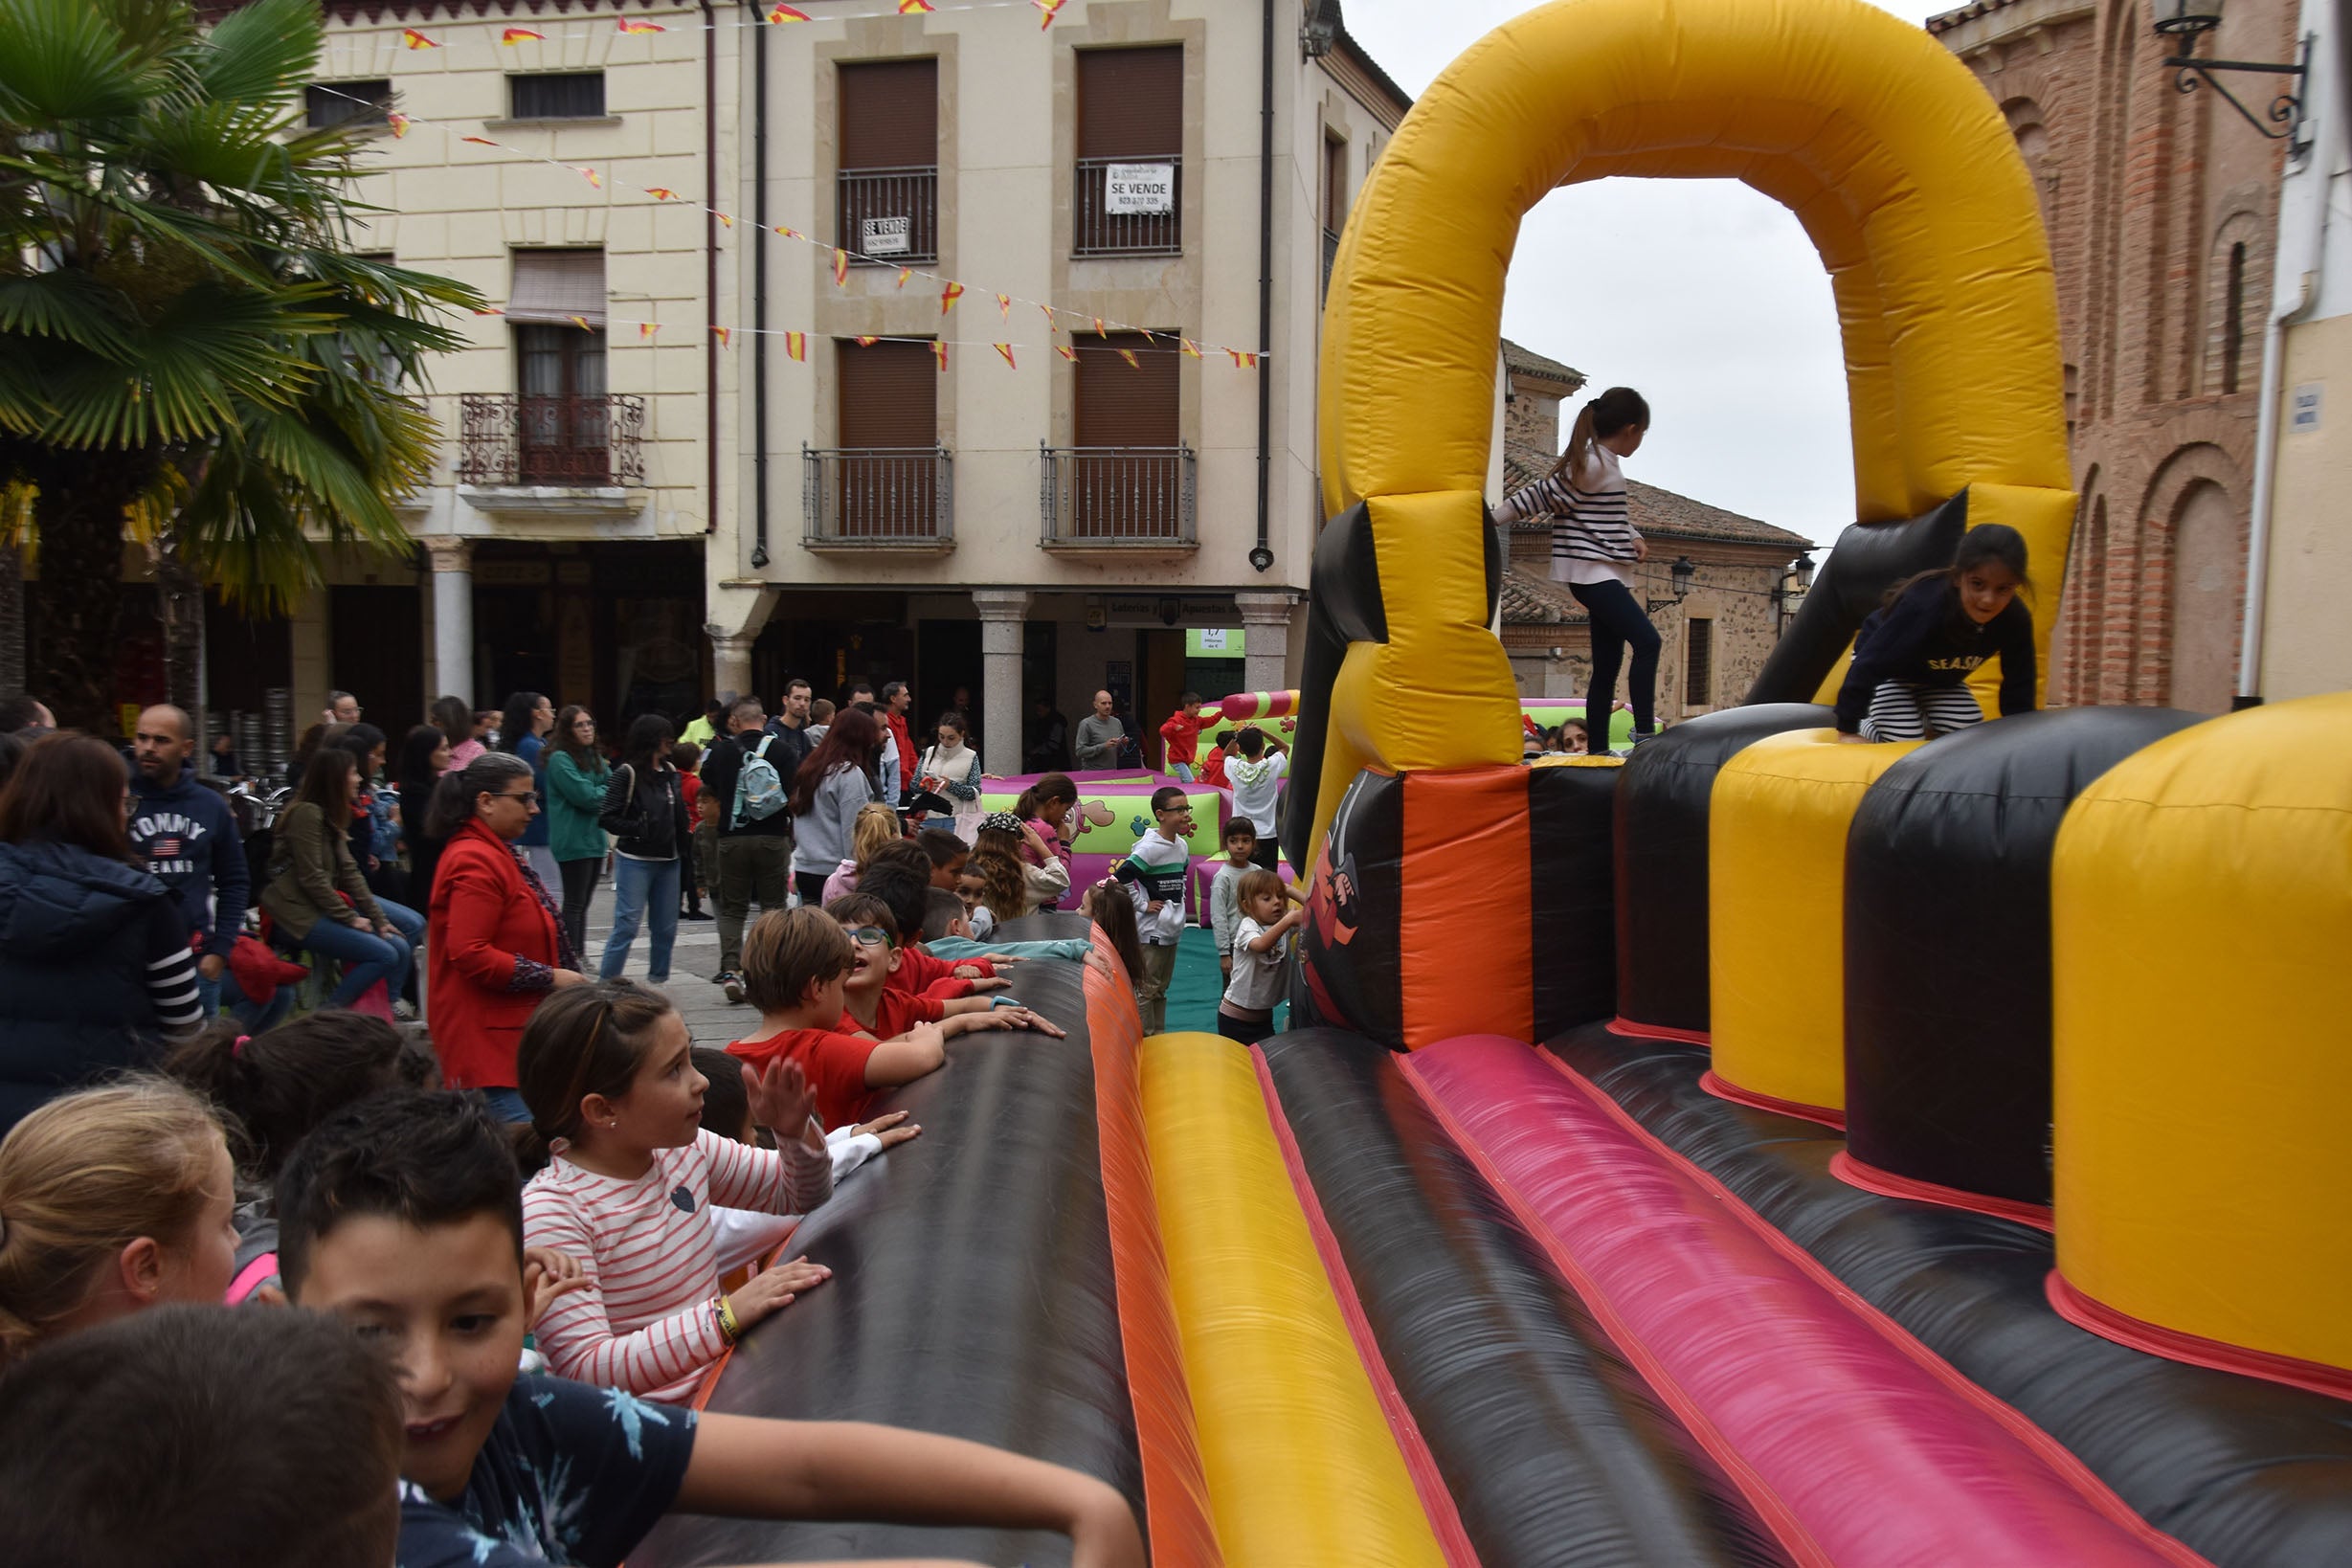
[789,232]
[1051,9]
[1128,355]
[580,322]
[904,273]
[592,178]
[489,310]
[661,193]
[721,334]
[415,39]
[1242,361]
[630,24]
[1190,347]
[724,219]
[916,8]
[1066,353]
[399,123]
[1006,349]
[780,14]
[948,296]
[521,34]
[647,329]
[939,348]
[1099,332]
[796,346]
[865,342]
[840,267]
[1005,306]
[482,142]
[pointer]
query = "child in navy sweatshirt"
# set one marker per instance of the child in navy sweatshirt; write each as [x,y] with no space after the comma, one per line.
[1913,655]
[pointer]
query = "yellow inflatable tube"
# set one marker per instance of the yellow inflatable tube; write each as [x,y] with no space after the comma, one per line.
[1302,1470]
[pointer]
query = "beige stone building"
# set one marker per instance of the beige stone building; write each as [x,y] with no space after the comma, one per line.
[1717,618]
[632,511]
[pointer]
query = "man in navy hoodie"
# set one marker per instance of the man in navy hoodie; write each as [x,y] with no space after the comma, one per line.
[189,839]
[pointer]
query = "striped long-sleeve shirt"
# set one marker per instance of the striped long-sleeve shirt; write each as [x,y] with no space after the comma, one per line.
[1593,537]
[649,1249]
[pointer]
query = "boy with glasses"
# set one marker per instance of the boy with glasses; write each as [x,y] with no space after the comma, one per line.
[1154,876]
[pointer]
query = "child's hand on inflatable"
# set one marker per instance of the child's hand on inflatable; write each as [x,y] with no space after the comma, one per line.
[982,987]
[766,1294]
[888,1129]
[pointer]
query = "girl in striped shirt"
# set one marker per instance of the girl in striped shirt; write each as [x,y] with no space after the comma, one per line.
[1594,547]
[607,1073]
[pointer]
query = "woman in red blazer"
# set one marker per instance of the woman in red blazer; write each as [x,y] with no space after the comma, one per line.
[494,945]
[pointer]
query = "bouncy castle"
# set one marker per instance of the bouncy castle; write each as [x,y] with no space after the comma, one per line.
[1759,1151]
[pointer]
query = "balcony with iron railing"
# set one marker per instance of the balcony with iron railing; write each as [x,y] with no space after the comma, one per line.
[888,217]
[898,498]
[1116,498]
[1100,231]
[583,442]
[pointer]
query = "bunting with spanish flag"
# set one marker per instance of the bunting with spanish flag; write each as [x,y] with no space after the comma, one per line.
[1128,355]
[631,24]
[721,334]
[415,39]
[948,296]
[1051,9]
[939,348]
[647,329]
[796,346]
[781,14]
[521,34]
[1066,353]
[1006,349]
[840,267]
[865,342]
[916,8]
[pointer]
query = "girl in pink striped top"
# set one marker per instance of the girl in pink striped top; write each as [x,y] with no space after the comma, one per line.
[607,1071]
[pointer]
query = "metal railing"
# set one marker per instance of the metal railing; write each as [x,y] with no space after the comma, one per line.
[594,440]
[1116,495]
[879,496]
[902,204]
[1098,231]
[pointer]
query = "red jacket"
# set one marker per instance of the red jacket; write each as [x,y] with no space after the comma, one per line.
[907,755]
[483,919]
[1182,733]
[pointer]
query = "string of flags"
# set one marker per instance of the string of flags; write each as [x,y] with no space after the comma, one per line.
[840,259]
[776,15]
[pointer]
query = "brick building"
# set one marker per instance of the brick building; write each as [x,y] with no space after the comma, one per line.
[1716,636]
[2162,209]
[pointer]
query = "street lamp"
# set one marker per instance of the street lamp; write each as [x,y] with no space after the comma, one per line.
[1792,587]
[2187,20]
[1682,572]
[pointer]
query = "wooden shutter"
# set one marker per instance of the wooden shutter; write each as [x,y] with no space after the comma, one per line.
[554,286]
[1698,671]
[1123,405]
[890,114]
[1334,187]
[1130,103]
[889,395]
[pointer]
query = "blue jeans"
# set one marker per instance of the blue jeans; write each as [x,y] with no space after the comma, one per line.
[367,958]
[1182,771]
[506,1105]
[637,886]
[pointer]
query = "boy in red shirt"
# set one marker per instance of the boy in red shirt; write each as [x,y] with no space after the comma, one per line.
[907,898]
[794,962]
[1182,735]
[872,1006]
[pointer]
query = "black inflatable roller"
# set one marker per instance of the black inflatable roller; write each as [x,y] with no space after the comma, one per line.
[1869,559]
[2251,1474]
[1661,800]
[1572,886]
[1553,1449]
[971,1295]
[1947,946]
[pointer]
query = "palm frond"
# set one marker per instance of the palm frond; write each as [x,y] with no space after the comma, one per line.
[260,53]
[64,62]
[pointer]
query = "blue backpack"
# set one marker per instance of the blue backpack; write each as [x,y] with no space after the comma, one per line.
[759,789]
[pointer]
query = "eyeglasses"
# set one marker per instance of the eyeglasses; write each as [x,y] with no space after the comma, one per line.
[529,797]
[872,937]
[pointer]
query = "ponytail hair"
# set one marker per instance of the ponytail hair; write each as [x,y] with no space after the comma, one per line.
[1605,416]
[1987,543]
[453,798]
[272,1088]
[583,1040]
[81,1179]
[1049,787]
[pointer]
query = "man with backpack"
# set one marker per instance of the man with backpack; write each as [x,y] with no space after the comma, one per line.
[747,775]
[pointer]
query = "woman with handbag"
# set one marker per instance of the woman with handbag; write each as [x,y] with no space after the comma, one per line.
[950,770]
[494,945]
[645,812]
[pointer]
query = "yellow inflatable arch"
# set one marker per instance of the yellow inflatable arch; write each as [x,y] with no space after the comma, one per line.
[1889,152]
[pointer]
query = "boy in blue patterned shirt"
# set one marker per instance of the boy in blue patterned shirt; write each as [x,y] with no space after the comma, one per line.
[401,1216]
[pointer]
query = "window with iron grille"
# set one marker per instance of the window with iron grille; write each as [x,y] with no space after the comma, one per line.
[1698,662]
[885,474]
[1128,476]
[556,95]
[887,186]
[556,311]
[1129,189]
[329,103]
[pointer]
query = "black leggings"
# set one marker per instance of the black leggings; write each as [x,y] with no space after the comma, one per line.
[810,885]
[1618,622]
[579,884]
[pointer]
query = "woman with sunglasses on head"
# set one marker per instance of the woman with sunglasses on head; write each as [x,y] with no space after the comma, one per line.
[494,941]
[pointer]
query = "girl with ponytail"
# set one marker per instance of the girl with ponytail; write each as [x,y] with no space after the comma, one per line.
[1594,547]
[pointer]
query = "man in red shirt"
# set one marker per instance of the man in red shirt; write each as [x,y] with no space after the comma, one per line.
[897,697]
[1181,735]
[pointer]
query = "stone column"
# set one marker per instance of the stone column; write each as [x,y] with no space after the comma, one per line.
[452,560]
[1003,613]
[730,663]
[1265,638]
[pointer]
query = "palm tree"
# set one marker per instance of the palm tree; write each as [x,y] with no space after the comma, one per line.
[188,347]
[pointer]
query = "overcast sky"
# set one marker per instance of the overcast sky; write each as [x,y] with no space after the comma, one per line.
[1703,295]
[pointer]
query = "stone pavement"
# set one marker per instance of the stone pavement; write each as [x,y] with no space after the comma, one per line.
[693,962]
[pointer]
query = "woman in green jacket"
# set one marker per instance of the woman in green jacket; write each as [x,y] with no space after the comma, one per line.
[576,772]
[317,896]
